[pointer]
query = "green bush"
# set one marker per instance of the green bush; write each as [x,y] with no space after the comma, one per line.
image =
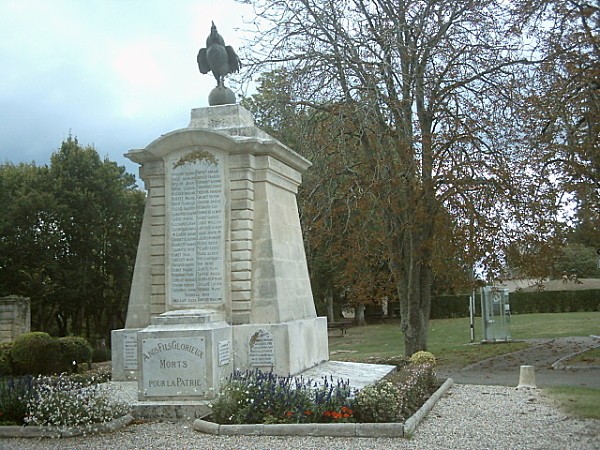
[5,359]
[423,358]
[397,398]
[74,350]
[380,402]
[419,381]
[35,353]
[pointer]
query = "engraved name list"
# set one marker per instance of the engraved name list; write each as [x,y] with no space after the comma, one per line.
[196,231]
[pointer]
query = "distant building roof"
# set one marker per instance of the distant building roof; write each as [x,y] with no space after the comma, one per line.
[531,285]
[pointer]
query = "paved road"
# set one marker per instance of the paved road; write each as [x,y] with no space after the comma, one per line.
[543,355]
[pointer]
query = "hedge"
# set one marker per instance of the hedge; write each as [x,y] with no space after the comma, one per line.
[449,306]
[554,301]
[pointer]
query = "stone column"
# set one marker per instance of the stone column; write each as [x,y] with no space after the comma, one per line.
[15,317]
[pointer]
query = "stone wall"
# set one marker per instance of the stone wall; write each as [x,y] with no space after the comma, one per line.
[15,317]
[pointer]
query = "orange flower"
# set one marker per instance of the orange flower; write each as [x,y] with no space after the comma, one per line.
[289,413]
[307,413]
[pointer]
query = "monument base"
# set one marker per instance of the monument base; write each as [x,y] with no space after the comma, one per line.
[183,355]
[287,348]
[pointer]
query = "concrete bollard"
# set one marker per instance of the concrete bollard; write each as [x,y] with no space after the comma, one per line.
[527,377]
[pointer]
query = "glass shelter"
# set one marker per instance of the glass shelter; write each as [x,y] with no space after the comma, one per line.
[495,312]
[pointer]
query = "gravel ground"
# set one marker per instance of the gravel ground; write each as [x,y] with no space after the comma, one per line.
[468,417]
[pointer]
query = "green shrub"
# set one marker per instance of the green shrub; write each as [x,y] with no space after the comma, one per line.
[396,398]
[419,381]
[5,359]
[423,358]
[380,402]
[15,393]
[74,350]
[35,353]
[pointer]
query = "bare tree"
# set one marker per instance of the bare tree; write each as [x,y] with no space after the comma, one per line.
[423,90]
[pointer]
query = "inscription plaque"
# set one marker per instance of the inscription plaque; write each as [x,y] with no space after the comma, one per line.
[174,367]
[196,229]
[224,348]
[130,359]
[262,349]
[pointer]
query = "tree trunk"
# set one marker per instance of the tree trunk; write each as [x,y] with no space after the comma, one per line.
[359,315]
[61,324]
[414,309]
[78,318]
[330,314]
[413,280]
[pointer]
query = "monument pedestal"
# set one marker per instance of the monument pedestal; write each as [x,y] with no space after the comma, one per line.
[183,355]
[124,354]
[285,348]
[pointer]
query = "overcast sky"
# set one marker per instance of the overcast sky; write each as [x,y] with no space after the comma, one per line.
[114,73]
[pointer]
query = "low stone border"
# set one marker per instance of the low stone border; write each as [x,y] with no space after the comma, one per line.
[57,432]
[560,364]
[406,429]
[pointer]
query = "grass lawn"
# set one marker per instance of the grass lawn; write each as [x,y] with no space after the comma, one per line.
[449,342]
[589,358]
[577,401]
[449,338]
[554,325]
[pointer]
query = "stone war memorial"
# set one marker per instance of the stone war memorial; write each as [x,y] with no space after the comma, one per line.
[220,280]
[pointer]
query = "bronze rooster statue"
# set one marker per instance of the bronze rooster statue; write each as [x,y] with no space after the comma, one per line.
[217,57]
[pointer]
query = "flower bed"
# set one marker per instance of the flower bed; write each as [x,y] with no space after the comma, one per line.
[255,402]
[60,405]
[393,429]
[13,431]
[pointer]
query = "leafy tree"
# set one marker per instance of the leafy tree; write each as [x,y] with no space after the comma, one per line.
[346,259]
[563,102]
[30,238]
[578,259]
[100,216]
[417,100]
[68,238]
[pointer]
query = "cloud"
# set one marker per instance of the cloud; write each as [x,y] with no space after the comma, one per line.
[116,74]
